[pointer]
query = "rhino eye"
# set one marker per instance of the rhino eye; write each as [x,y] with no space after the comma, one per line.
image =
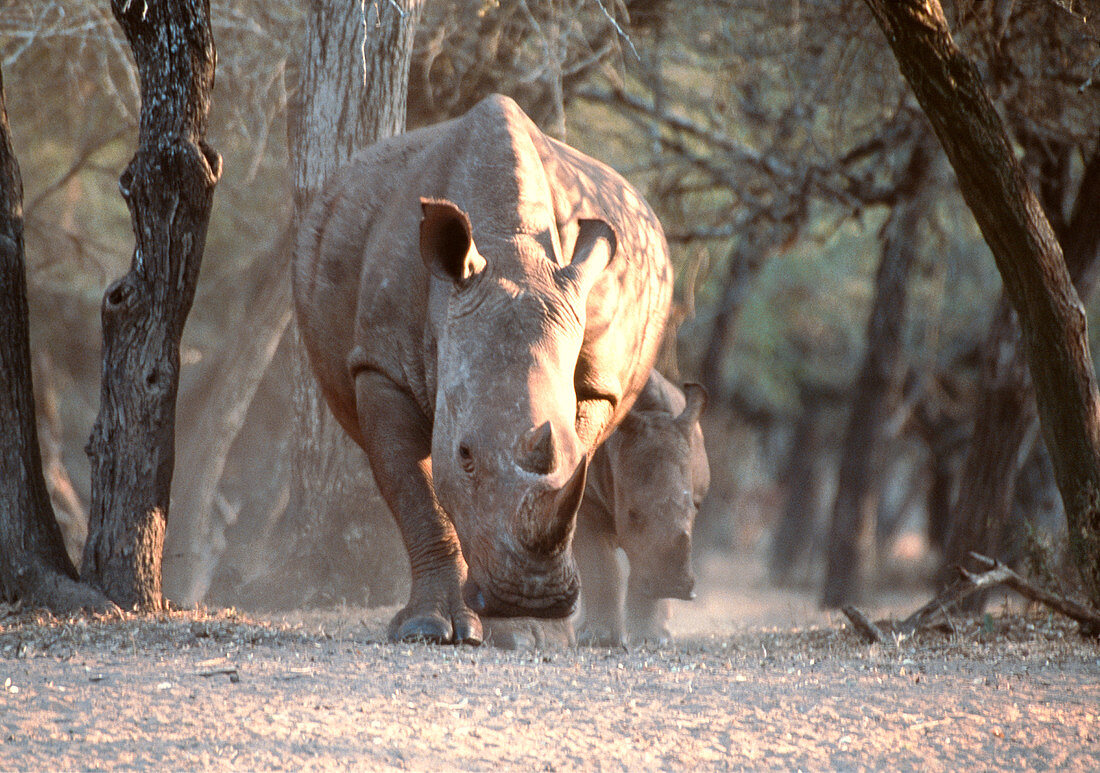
[466,457]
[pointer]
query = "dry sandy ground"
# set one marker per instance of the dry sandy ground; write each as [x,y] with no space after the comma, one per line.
[741,689]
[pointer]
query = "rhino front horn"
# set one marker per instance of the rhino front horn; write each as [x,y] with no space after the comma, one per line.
[537,450]
[547,532]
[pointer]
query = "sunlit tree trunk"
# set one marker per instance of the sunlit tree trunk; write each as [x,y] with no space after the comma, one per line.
[196,536]
[1027,253]
[168,187]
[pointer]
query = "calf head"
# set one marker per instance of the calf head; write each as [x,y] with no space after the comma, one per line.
[661,477]
[508,465]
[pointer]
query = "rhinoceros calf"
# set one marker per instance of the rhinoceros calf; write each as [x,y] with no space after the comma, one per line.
[481,305]
[644,487]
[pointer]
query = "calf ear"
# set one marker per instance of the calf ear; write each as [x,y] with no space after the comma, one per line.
[447,242]
[595,248]
[696,398]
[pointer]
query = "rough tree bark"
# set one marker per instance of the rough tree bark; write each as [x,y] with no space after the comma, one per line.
[168,187]
[1026,251]
[851,531]
[352,92]
[34,566]
[1006,422]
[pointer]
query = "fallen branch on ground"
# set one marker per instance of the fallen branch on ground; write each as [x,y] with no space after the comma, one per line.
[994,573]
[997,573]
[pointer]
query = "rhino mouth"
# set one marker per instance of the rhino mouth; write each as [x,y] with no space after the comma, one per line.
[490,596]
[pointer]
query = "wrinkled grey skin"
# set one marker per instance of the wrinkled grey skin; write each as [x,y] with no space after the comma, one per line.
[481,305]
[643,491]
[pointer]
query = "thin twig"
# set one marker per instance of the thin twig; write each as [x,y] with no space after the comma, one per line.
[619,30]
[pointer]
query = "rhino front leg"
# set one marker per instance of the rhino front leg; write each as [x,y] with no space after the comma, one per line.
[601,584]
[646,617]
[397,437]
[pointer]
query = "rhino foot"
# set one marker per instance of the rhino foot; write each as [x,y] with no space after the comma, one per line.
[647,619]
[601,637]
[650,632]
[528,633]
[433,627]
[657,638]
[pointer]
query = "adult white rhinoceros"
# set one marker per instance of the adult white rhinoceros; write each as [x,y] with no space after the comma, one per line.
[481,304]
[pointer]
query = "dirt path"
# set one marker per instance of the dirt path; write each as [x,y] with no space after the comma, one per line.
[324,691]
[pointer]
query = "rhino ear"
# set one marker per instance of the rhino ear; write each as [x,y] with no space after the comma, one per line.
[594,250]
[447,242]
[696,401]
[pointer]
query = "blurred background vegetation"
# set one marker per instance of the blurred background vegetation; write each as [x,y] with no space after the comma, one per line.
[773,139]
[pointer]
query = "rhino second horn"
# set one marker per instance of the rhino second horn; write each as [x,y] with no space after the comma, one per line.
[537,450]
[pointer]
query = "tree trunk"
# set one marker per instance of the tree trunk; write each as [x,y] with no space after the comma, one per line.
[353,91]
[1006,423]
[169,187]
[941,421]
[851,530]
[941,475]
[34,566]
[794,533]
[1028,256]
[353,86]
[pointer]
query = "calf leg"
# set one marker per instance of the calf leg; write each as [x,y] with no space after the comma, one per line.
[397,437]
[646,617]
[601,583]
